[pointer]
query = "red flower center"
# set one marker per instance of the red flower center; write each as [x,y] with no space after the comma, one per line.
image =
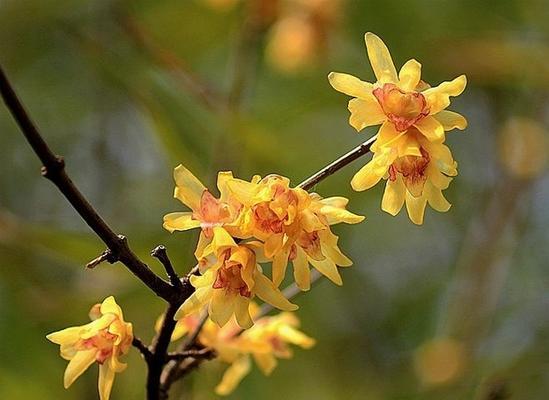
[403,109]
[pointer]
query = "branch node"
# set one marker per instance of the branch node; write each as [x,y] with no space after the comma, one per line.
[107,256]
[53,168]
[160,253]
[143,349]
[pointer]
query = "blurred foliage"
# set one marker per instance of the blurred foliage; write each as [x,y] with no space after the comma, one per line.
[126,90]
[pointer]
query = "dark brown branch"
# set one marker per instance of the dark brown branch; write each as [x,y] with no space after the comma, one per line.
[54,169]
[335,166]
[160,253]
[143,348]
[159,353]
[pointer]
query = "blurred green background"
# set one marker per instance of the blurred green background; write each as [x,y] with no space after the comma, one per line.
[454,309]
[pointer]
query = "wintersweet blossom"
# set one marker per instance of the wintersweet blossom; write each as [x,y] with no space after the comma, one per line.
[206,210]
[294,225]
[268,340]
[104,340]
[411,179]
[399,101]
[230,278]
[408,150]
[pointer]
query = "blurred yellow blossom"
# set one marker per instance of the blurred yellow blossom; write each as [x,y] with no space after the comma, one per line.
[300,35]
[103,340]
[524,147]
[440,361]
[230,278]
[268,340]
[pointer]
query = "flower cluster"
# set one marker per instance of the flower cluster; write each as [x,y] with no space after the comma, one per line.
[267,341]
[409,151]
[252,223]
[103,341]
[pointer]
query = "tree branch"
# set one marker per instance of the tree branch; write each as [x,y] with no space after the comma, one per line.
[205,353]
[143,348]
[336,165]
[160,253]
[54,169]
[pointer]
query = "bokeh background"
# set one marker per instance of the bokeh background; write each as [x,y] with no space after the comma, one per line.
[126,90]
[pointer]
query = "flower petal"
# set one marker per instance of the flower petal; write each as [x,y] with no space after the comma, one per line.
[194,303]
[332,251]
[188,188]
[365,112]
[380,58]
[436,199]
[296,337]
[79,363]
[438,98]
[222,306]
[106,379]
[394,196]
[416,208]
[222,178]
[302,273]
[409,75]
[350,85]
[242,312]
[368,176]
[180,221]
[451,120]
[233,375]
[267,292]
[431,129]
[327,268]
[243,191]
[109,306]
[65,336]
[280,263]
[266,362]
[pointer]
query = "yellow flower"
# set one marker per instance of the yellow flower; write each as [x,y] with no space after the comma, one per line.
[294,226]
[265,342]
[399,101]
[231,278]
[103,340]
[414,180]
[207,211]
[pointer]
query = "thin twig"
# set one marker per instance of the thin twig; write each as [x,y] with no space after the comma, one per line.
[194,353]
[161,254]
[159,353]
[335,166]
[54,169]
[143,348]
[105,256]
